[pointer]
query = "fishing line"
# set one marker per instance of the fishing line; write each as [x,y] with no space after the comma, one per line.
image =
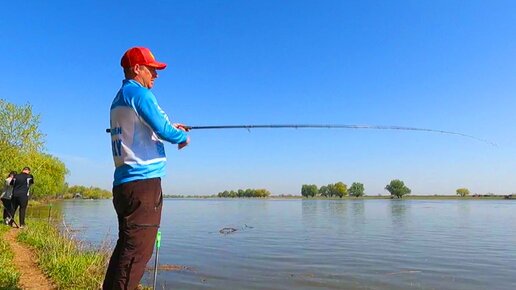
[373,127]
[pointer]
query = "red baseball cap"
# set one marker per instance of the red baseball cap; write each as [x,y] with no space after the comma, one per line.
[142,56]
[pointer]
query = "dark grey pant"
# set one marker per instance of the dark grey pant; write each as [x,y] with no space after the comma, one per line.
[20,201]
[138,206]
[8,208]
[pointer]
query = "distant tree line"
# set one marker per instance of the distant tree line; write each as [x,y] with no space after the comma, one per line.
[396,188]
[189,196]
[338,189]
[80,191]
[245,193]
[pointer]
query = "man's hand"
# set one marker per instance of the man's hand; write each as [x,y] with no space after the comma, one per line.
[183,145]
[184,128]
[181,127]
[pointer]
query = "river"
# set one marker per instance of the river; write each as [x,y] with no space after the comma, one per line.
[323,244]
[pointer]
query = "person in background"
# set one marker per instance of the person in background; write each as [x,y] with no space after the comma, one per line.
[6,198]
[138,128]
[21,184]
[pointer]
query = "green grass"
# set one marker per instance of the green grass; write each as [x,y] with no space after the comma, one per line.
[69,264]
[9,276]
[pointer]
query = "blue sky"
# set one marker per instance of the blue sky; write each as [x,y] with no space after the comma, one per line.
[448,65]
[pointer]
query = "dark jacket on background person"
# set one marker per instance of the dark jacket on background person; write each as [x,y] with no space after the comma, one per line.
[21,183]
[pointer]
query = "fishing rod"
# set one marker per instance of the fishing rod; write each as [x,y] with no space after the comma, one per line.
[156,259]
[329,126]
[11,219]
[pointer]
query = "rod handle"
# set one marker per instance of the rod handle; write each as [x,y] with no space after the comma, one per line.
[158,240]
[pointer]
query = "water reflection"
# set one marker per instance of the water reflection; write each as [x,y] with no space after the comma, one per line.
[49,212]
[398,212]
[358,211]
[339,208]
[400,225]
[308,209]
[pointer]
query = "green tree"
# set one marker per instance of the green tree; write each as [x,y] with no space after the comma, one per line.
[397,188]
[323,191]
[49,174]
[356,189]
[87,192]
[20,128]
[248,192]
[331,189]
[309,190]
[22,143]
[245,193]
[462,192]
[340,189]
[225,193]
[262,193]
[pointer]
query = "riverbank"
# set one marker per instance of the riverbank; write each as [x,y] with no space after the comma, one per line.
[40,257]
[24,260]
[368,197]
[290,197]
[9,275]
[44,255]
[68,263]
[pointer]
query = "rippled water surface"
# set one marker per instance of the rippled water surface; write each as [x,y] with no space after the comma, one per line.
[324,244]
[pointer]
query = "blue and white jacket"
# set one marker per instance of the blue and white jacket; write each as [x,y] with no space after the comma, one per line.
[138,126]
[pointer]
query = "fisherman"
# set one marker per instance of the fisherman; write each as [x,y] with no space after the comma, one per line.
[6,197]
[21,184]
[138,126]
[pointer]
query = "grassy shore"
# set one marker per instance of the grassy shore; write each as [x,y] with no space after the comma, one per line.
[9,276]
[417,197]
[367,197]
[69,264]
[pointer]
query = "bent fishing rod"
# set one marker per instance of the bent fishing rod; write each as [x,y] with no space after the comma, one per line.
[330,126]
